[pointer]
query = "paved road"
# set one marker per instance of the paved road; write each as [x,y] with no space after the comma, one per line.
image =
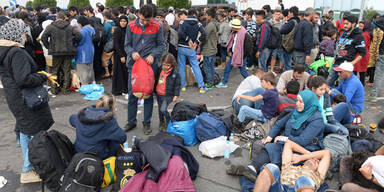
[211,176]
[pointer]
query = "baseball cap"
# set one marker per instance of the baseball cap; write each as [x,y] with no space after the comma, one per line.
[346,66]
[236,23]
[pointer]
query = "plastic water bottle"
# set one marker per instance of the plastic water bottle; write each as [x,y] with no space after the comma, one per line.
[126,147]
[133,140]
[226,152]
[232,138]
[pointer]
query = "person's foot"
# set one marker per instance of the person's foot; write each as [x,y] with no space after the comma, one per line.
[209,86]
[240,170]
[222,85]
[147,128]
[184,89]
[163,126]
[29,177]
[203,89]
[129,127]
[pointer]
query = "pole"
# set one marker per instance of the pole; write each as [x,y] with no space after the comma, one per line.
[362,10]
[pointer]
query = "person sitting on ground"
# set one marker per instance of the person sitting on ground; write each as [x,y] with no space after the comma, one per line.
[290,99]
[269,97]
[309,177]
[248,87]
[363,171]
[298,73]
[381,125]
[167,88]
[97,129]
[340,98]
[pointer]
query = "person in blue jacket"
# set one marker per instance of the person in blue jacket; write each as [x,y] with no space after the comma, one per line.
[97,129]
[85,52]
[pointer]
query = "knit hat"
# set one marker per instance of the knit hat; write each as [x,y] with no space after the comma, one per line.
[83,21]
[13,30]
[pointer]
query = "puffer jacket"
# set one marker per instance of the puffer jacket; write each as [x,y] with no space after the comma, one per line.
[61,38]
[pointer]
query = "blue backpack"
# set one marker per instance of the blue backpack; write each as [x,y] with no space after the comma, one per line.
[209,127]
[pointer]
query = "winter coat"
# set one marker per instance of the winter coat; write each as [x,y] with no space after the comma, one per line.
[149,41]
[327,47]
[85,49]
[18,71]
[189,31]
[349,45]
[362,65]
[224,32]
[303,39]
[263,36]
[61,38]
[209,45]
[3,20]
[172,87]
[374,49]
[379,22]
[97,131]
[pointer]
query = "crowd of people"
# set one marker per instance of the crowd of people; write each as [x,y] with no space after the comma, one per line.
[106,42]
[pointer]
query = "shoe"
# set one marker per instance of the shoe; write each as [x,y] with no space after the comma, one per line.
[240,171]
[129,127]
[203,90]
[221,85]
[29,177]
[183,89]
[210,87]
[163,126]
[126,96]
[147,128]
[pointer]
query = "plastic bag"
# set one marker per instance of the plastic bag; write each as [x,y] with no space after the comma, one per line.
[216,147]
[184,129]
[142,79]
[93,92]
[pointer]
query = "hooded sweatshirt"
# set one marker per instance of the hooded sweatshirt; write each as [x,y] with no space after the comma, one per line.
[97,131]
[349,45]
[189,30]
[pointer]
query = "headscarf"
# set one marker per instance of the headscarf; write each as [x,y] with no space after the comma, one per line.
[311,105]
[13,30]
[125,18]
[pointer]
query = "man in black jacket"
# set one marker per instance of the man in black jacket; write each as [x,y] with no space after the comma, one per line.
[286,30]
[303,42]
[60,39]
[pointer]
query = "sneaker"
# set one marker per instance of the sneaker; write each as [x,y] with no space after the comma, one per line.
[129,127]
[126,96]
[210,87]
[29,177]
[183,89]
[147,128]
[203,90]
[221,85]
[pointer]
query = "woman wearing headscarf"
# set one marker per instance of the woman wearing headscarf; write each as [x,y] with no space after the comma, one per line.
[362,65]
[18,70]
[120,71]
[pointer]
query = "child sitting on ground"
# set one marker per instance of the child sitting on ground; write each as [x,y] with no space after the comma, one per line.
[167,88]
[290,99]
[340,98]
[270,99]
[97,129]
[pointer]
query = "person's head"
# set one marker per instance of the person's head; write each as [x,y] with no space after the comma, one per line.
[52,10]
[106,101]
[258,72]
[73,10]
[365,26]
[267,9]
[100,7]
[358,158]
[160,15]
[145,14]
[248,15]
[121,10]
[298,71]
[183,14]
[220,17]
[306,102]
[14,30]
[123,21]
[23,16]
[277,14]
[340,98]
[330,14]
[345,70]
[192,12]
[325,18]
[374,17]
[60,15]
[293,87]
[168,62]
[268,80]
[350,22]
[82,21]
[236,25]
[88,11]
[318,85]
[331,34]
[40,17]
[107,15]
[260,16]
[309,14]
[316,18]
[293,12]
[211,14]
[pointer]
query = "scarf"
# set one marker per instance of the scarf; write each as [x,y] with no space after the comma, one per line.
[125,28]
[238,55]
[311,105]
[13,30]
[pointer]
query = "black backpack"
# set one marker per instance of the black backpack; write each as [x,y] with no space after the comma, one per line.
[275,38]
[185,110]
[248,45]
[100,37]
[85,173]
[357,132]
[50,153]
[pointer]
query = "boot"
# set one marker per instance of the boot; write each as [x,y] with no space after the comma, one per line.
[147,128]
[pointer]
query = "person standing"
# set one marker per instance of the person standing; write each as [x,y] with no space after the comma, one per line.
[361,66]
[379,71]
[377,36]
[109,26]
[262,51]
[288,30]
[209,47]
[316,38]
[278,23]
[60,39]
[251,30]
[143,39]
[224,32]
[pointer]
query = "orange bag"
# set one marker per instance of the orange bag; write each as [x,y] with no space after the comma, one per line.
[142,79]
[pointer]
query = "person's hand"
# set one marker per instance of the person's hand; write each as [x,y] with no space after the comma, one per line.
[307,59]
[266,140]
[135,56]
[192,45]
[122,59]
[366,171]
[150,59]
[257,54]
[296,158]
[175,98]
[238,99]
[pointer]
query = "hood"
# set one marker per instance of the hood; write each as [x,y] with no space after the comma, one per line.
[379,22]
[60,24]
[96,117]
[5,46]
[3,20]
[356,31]
[190,20]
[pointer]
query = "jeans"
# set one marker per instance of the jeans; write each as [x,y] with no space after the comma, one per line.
[209,68]
[287,59]
[223,53]
[163,101]
[256,114]
[337,128]
[264,55]
[182,54]
[246,102]
[228,68]
[132,102]
[300,184]
[379,74]
[24,141]
[343,113]
[300,59]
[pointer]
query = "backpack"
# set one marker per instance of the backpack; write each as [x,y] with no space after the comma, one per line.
[248,45]
[142,79]
[275,38]
[100,37]
[357,132]
[225,116]
[84,174]
[209,127]
[50,153]
[339,146]
[185,110]
[288,39]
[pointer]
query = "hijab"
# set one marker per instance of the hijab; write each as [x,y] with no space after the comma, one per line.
[13,30]
[125,18]
[311,105]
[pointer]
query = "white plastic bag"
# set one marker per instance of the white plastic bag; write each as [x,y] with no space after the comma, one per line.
[216,147]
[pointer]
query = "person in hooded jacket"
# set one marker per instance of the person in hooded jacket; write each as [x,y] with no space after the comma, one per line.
[18,71]
[285,30]
[97,129]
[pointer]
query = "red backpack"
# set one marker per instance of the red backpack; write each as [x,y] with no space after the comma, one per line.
[142,79]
